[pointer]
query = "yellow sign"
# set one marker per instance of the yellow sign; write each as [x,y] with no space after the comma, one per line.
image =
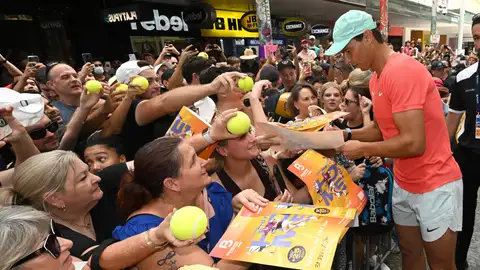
[229,24]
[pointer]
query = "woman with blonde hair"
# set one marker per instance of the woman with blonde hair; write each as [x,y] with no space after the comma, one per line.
[330,97]
[83,209]
[29,241]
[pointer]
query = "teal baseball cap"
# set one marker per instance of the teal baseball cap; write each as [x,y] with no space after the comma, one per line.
[348,26]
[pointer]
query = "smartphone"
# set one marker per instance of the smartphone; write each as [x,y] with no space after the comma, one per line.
[32,60]
[132,57]
[5,129]
[307,67]
[87,58]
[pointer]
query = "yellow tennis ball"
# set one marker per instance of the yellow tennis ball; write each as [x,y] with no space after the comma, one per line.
[203,55]
[93,86]
[141,81]
[122,87]
[246,84]
[188,222]
[239,124]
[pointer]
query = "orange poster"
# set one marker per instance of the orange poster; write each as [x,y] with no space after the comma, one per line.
[329,184]
[314,123]
[286,235]
[188,123]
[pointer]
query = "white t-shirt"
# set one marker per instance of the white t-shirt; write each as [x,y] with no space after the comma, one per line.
[307,56]
[206,108]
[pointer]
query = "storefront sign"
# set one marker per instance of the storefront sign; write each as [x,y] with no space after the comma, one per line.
[256,42]
[240,42]
[121,17]
[229,24]
[155,20]
[294,26]
[200,15]
[163,23]
[320,30]
[249,21]
[19,17]
[122,14]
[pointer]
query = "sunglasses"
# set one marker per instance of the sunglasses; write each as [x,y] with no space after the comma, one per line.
[50,245]
[40,133]
[348,101]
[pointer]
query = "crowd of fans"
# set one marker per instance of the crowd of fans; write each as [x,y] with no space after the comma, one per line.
[92,182]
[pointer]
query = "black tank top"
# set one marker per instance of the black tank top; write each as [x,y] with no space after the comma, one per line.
[261,167]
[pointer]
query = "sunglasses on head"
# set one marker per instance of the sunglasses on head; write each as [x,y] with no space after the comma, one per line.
[50,245]
[40,133]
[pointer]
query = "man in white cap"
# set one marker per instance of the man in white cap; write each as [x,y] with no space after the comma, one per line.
[312,46]
[409,127]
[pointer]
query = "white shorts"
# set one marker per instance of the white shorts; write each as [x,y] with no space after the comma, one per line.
[434,211]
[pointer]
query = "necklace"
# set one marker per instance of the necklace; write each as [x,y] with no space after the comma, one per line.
[88,225]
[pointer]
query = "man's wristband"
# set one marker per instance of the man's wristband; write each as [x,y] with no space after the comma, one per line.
[3,61]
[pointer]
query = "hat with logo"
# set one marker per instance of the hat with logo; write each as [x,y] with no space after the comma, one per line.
[348,26]
[129,69]
[284,64]
[304,41]
[248,54]
[27,108]
[436,65]
[311,37]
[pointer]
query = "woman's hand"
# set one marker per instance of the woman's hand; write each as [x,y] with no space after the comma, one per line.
[365,104]
[258,87]
[284,197]
[218,130]
[250,199]
[162,233]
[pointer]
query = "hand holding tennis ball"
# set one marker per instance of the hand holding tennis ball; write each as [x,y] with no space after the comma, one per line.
[245,83]
[239,124]
[93,86]
[188,222]
[122,87]
[203,55]
[141,82]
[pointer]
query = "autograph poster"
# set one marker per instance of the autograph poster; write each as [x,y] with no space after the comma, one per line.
[329,184]
[314,123]
[286,235]
[188,123]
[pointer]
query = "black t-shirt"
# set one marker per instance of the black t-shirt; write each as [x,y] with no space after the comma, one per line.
[136,136]
[463,99]
[104,215]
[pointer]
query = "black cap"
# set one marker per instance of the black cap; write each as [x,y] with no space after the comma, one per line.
[284,64]
[436,65]
[270,73]
[167,74]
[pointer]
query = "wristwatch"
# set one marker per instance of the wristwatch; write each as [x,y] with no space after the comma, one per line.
[206,136]
[349,134]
